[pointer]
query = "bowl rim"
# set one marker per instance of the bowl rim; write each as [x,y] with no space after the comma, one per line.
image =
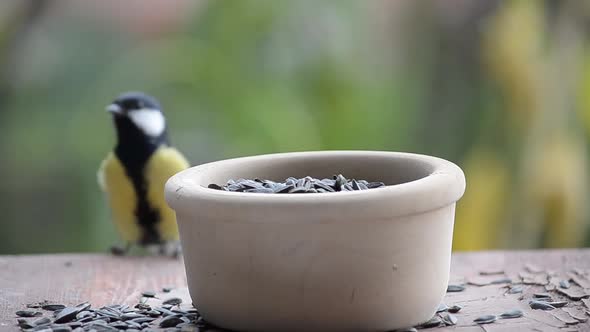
[443,186]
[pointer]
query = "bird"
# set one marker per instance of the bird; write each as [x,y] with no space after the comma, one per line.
[134,173]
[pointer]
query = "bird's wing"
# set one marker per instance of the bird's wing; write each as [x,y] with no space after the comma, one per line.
[101,173]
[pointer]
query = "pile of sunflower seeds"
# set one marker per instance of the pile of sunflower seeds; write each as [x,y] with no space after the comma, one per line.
[293,185]
[118,317]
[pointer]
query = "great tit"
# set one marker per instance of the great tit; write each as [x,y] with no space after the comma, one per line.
[134,173]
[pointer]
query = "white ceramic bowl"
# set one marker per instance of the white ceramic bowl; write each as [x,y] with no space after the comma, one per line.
[372,260]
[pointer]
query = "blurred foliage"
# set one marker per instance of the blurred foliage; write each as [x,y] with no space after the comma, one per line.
[500,88]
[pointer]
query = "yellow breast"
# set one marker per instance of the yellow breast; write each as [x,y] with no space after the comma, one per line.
[122,198]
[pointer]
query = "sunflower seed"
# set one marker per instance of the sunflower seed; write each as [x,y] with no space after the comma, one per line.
[24,324]
[321,185]
[173,301]
[298,190]
[565,284]
[449,319]
[83,314]
[515,290]
[410,329]
[455,288]
[442,307]
[148,294]
[373,185]
[28,313]
[142,320]
[540,305]
[42,321]
[52,307]
[143,306]
[165,312]
[558,304]
[540,295]
[153,313]
[133,324]
[486,319]
[455,309]
[516,313]
[170,321]
[281,189]
[67,314]
[63,328]
[74,324]
[433,322]
[131,315]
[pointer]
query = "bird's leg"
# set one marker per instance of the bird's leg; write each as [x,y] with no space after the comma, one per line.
[171,249]
[121,251]
[163,249]
[177,251]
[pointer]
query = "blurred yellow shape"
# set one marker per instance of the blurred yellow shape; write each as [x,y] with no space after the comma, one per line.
[511,49]
[482,211]
[557,189]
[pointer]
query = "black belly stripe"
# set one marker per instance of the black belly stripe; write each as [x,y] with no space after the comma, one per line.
[134,151]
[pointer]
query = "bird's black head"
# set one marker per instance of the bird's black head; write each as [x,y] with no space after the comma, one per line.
[138,116]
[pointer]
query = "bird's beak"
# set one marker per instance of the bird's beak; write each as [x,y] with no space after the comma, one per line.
[114,108]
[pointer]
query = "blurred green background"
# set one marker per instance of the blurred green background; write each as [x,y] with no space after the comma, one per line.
[502,88]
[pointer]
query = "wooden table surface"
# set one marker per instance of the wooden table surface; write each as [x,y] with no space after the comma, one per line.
[103,280]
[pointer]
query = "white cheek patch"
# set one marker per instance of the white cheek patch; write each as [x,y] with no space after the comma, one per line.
[150,121]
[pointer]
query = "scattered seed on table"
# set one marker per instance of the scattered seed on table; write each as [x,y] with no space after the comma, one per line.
[64,328]
[442,307]
[485,319]
[143,306]
[565,284]
[455,288]
[171,321]
[148,294]
[558,304]
[455,309]
[167,289]
[449,319]
[131,315]
[515,290]
[67,314]
[173,301]
[542,295]
[74,324]
[24,324]
[84,314]
[433,322]
[540,305]
[409,329]
[516,313]
[42,321]
[52,307]
[134,324]
[28,313]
